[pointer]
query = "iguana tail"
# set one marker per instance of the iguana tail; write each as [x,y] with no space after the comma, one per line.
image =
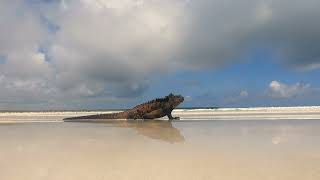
[120,115]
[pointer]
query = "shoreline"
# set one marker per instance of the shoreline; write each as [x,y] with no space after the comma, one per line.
[184,114]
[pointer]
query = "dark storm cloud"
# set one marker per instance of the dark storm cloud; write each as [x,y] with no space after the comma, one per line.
[293,32]
[217,32]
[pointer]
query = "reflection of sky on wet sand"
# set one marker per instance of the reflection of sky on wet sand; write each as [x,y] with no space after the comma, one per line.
[224,150]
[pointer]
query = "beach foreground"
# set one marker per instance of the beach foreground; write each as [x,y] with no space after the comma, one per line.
[187,149]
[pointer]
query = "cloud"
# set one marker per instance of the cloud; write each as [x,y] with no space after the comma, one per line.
[155,36]
[115,43]
[25,74]
[244,94]
[112,48]
[118,42]
[239,98]
[281,90]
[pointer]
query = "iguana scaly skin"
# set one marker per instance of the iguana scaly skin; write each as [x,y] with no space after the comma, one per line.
[156,108]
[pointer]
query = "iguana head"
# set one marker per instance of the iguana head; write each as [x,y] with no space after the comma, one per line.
[175,100]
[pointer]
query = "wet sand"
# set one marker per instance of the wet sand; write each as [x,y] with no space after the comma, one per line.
[222,150]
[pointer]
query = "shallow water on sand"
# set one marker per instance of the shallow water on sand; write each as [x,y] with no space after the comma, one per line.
[222,150]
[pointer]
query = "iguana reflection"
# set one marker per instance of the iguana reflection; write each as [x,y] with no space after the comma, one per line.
[154,129]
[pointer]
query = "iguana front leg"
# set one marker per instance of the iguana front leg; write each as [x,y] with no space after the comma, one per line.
[172,118]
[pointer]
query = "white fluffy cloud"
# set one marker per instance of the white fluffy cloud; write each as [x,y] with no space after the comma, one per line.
[281,90]
[90,48]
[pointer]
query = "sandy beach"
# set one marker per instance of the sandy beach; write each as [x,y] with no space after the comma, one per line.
[283,149]
[203,84]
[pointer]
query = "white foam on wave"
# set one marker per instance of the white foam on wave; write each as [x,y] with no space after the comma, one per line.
[255,109]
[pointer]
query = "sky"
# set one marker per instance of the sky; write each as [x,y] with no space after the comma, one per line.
[100,54]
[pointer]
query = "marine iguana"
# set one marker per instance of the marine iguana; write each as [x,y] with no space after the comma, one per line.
[156,108]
